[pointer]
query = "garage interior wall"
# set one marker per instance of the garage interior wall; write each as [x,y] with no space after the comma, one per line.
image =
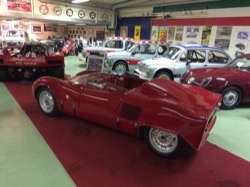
[216,18]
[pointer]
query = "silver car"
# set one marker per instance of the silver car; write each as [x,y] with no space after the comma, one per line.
[123,61]
[177,59]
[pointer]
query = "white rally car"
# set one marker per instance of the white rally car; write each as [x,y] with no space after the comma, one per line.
[111,45]
[124,61]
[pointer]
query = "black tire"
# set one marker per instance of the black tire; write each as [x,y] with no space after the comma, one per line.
[120,67]
[4,74]
[47,102]
[163,74]
[231,97]
[167,144]
[57,72]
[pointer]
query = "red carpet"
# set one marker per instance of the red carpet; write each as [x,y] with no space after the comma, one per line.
[97,156]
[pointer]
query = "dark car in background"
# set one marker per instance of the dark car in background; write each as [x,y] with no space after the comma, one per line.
[33,60]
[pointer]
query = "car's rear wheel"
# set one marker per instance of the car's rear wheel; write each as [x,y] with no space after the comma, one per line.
[232,97]
[163,74]
[120,67]
[47,102]
[4,74]
[164,143]
[57,72]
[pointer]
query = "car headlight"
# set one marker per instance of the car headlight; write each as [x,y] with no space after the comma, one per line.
[205,82]
[107,62]
[143,67]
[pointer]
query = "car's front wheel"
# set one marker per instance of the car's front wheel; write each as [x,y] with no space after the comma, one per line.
[163,74]
[231,97]
[47,102]
[120,67]
[164,143]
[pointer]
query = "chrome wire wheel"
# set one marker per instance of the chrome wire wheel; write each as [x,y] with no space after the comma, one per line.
[230,98]
[162,141]
[46,101]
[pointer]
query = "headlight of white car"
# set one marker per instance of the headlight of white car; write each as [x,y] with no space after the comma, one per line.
[143,67]
[107,62]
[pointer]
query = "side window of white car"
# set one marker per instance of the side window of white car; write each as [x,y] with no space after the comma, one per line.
[114,44]
[148,49]
[196,56]
[217,57]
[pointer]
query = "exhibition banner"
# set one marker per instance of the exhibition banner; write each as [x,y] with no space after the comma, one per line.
[137,33]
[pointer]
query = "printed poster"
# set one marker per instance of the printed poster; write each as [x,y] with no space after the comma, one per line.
[124,31]
[222,38]
[162,34]
[179,33]
[171,32]
[137,33]
[206,34]
[193,35]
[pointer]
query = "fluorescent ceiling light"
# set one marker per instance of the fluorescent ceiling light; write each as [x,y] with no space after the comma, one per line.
[79,1]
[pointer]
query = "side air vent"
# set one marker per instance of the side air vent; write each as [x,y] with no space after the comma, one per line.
[130,112]
[1,61]
[54,62]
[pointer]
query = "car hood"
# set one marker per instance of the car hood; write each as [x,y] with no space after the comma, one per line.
[187,98]
[157,61]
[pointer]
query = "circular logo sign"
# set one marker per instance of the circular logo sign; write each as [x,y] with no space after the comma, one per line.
[105,17]
[81,14]
[43,9]
[92,15]
[58,10]
[69,12]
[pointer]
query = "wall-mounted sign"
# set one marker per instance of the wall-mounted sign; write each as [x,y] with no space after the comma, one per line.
[69,12]
[92,15]
[137,33]
[81,14]
[50,27]
[58,10]
[43,9]
[105,17]
[23,6]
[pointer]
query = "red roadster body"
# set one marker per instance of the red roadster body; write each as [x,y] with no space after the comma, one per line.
[167,114]
[232,81]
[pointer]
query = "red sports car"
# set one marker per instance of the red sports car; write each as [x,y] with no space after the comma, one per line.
[166,114]
[31,62]
[68,48]
[232,81]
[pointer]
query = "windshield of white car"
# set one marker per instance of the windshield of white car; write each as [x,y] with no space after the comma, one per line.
[241,63]
[171,52]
